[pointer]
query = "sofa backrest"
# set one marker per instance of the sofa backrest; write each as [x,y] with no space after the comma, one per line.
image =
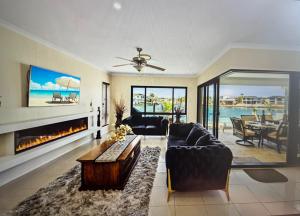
[153,120]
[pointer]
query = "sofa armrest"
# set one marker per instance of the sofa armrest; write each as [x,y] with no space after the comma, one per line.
[198,167]
[164,126]
[180,129]
[128,121]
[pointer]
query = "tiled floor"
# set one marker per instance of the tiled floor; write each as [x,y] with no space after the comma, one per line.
[248,197]
[267,153]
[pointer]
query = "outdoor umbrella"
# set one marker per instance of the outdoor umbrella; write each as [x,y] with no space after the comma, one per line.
[68,82]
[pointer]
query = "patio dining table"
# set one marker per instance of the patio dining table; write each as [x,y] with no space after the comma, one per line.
[261,129]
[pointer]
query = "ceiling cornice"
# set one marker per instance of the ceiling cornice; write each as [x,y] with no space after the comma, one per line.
[246,46]
[46,43]
[112,73]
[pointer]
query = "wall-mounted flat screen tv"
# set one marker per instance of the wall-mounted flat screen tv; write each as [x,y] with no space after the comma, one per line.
[50,88]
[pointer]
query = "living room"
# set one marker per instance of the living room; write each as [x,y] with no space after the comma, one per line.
[136,108]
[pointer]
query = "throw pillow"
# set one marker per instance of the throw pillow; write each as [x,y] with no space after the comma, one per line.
[205,140]
[193,136]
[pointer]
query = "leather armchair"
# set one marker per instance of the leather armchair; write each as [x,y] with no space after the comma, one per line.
[196,167]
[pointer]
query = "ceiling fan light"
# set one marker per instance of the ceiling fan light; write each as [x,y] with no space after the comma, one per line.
[138,67]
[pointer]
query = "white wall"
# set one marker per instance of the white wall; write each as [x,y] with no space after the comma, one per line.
[16,53]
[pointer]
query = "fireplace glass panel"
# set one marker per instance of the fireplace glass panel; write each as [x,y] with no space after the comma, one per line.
[33,137]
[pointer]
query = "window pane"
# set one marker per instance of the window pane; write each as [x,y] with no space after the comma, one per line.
[138,98]
[179,99]
[159,100]
[182,119]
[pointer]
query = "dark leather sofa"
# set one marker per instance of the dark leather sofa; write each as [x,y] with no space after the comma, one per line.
[196,160]
[156,125]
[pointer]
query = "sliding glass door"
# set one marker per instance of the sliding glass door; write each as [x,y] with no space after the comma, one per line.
[208,105]
[254,113]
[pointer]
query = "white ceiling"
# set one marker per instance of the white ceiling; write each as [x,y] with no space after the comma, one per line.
[182,36]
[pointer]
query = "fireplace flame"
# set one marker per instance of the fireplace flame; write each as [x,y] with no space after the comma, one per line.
[43,139]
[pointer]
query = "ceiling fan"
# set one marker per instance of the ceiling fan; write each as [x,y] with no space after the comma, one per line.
[139,61]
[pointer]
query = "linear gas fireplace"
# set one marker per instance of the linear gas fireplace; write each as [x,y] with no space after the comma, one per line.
[33,137]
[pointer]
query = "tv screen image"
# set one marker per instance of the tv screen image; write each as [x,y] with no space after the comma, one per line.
[50,88]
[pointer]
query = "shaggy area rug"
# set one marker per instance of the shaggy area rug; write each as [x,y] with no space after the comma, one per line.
[62,197]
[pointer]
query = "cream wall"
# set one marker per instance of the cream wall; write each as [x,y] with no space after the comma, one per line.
[254,59]
[121,87]
[16,53]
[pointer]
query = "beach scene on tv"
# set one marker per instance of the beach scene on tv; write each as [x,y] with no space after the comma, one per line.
[50,88]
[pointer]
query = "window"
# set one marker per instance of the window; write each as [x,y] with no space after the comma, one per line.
[105,104]
[159,100]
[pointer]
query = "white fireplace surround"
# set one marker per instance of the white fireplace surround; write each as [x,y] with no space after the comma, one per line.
[13,165]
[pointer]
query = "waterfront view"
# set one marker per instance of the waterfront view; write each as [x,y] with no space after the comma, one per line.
[162,101]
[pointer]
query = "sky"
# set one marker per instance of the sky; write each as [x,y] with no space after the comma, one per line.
[44,79]
[260,91]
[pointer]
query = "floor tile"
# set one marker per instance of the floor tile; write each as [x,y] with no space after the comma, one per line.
[161,168]
[265,193]
[196,210]
[288,191]
[161,211]
[159,196]
[250,209]
[224,210]
[241,194]
[188,198]
[214,197]
[160,180]
[281,208]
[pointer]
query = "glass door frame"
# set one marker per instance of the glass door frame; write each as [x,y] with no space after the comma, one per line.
[294,124]
[202,115]
[293,110]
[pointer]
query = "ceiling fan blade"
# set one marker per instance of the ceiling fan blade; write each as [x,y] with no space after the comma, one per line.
[121,65]
[124,59]
[155,67]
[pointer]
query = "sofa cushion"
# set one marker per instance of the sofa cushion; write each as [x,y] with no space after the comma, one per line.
[194,135]
[172,137]
[204,140]
[135,112]
[154,120]
[180,129]
[176,142]
[139,129]
[151,127]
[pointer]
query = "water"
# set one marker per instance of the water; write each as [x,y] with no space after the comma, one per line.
[227,112]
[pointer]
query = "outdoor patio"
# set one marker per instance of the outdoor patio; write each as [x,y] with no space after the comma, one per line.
[265,154]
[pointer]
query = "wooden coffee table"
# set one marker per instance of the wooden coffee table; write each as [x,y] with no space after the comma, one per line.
[108,175]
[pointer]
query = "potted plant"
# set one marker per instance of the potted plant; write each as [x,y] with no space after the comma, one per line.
[178,111]
[120,108]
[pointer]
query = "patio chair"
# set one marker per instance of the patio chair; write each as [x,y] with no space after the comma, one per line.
[248,118]
[57,95]
[269,118]
[72,97]
[279,136]
[242,132]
